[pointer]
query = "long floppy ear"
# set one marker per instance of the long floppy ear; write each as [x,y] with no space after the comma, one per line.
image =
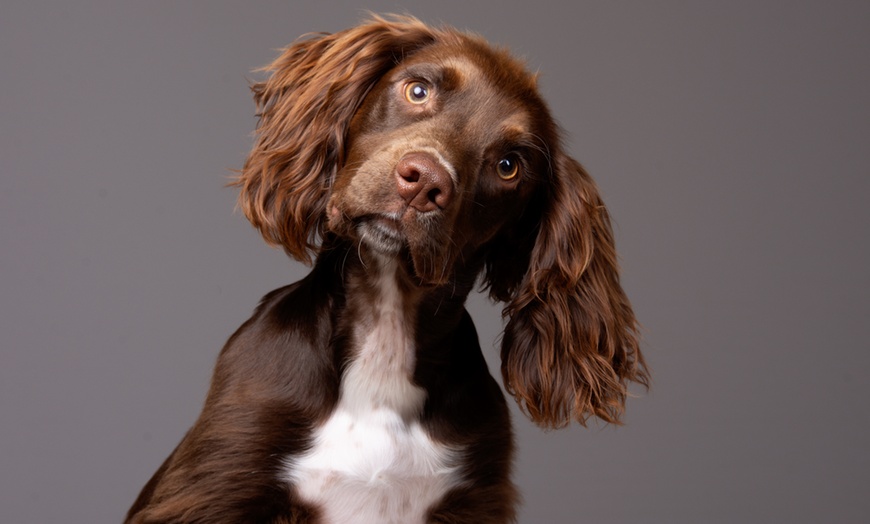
[571,343]
[304,109]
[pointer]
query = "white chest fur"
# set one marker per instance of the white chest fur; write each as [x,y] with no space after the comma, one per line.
[372,461]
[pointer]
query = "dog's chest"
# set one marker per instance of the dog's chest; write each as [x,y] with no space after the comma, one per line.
[372,460]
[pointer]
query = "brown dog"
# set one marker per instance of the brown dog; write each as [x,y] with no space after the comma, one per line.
[411,161]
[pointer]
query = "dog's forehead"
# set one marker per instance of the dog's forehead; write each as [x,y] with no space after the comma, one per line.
[474,62]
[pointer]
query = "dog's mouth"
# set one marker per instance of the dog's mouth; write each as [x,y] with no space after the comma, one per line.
[383,233]
[387,235]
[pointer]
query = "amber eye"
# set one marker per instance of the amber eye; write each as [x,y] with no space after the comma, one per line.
[416,92]
[508,167]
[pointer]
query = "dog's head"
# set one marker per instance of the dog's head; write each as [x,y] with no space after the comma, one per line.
[446,153]
[430,145]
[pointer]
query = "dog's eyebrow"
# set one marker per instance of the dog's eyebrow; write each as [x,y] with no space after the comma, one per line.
[447,76]
[516,128]
[425,71]
[516,133]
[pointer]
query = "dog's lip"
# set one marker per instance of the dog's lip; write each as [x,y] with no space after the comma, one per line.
[387,224]
[383,232]
[390,222]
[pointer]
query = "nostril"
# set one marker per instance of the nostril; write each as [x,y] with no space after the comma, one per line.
[433,194]
[410,174]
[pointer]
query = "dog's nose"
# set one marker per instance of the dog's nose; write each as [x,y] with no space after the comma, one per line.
[423,182]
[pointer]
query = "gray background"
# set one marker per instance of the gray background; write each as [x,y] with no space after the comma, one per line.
[730,141]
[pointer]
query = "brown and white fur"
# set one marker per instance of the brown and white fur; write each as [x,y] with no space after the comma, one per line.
[413,162]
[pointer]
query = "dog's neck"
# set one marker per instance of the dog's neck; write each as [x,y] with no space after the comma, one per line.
[380,291]
[383,358]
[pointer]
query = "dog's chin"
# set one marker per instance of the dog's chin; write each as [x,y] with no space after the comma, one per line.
[382,235]
[386,237]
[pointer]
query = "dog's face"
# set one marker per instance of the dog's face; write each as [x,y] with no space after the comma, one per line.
[445,152]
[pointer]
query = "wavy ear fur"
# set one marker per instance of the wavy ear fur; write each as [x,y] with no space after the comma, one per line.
[571,343]
[304,110]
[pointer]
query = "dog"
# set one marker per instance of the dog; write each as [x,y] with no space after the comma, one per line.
[410,164]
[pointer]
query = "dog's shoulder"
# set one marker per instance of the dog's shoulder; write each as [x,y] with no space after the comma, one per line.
[291,326]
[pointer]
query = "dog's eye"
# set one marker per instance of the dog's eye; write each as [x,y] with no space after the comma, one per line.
[508,167]
[416,92]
